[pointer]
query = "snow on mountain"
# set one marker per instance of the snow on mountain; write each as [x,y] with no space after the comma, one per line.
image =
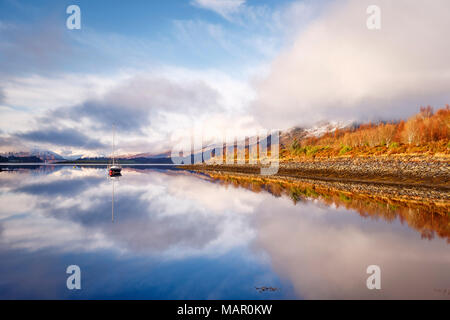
[46,155]
[327,127]
[298,133]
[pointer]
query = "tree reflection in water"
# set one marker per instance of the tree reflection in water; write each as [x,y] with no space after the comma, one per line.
[426,216]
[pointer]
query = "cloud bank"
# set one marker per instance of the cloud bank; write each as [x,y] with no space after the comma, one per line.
[132,104]
[338,69]
[61,137]
[145,106]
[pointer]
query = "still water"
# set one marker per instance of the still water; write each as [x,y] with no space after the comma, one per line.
[171,234]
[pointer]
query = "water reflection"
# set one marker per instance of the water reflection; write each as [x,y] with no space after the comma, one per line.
[184,235]
[113,179]
[428,217]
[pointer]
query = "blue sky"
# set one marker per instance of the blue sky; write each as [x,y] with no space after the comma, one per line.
[159,69]
[211,47]
[115,33]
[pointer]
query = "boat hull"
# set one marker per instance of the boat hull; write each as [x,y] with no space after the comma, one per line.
[115,171]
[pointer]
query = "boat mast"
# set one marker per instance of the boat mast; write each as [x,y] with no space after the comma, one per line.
[114,131]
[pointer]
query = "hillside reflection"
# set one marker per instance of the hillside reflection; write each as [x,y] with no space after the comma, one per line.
[426,217]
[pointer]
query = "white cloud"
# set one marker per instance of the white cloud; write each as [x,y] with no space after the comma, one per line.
[146,105]
[222,7]
[38,92]
[337,69]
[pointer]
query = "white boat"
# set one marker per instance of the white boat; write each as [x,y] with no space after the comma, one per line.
[114,167]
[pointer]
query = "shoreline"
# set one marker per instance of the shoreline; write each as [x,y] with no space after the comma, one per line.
[415,180]
[404,171]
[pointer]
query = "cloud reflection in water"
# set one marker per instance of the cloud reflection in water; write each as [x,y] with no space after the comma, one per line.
[168,222]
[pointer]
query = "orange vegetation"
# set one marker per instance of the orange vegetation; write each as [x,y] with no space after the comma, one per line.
[426,133]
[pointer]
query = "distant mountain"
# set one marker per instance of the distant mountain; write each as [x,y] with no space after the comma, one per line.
[20,159]
[128,159]
[160,160]
[47,155]
[147,155]
[43,155]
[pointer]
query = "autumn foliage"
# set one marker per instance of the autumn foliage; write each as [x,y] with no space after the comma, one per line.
[427,132]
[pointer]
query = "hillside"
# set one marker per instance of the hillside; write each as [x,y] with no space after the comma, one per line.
[426,133]
[16,159]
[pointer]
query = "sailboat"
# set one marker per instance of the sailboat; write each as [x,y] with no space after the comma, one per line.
[114,167]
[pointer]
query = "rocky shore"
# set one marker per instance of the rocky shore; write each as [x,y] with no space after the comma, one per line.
[412,179]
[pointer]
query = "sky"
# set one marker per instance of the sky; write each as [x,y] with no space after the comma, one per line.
[159,70]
